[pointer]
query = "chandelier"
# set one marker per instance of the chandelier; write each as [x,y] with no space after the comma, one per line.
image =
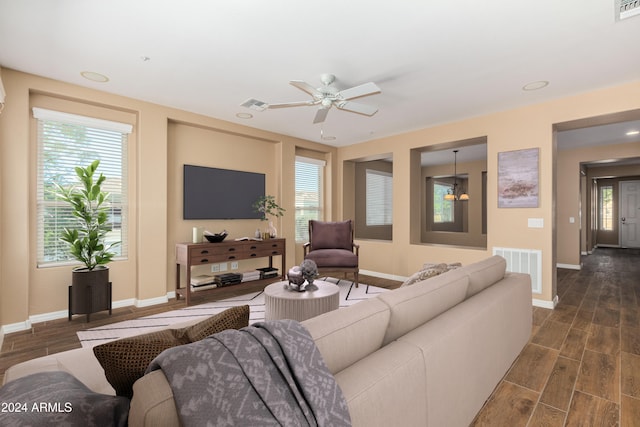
[452,194]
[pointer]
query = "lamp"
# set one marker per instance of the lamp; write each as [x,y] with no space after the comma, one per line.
[452,195]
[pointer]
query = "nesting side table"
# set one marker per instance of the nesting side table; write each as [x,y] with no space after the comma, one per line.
[282,303]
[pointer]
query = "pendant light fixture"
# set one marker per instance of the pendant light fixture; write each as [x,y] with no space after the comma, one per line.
[452,194]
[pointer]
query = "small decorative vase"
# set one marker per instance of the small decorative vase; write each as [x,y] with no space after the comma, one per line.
[258,235]
[272,230]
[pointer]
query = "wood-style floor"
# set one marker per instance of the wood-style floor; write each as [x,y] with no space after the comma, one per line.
[580,368]
[60,335]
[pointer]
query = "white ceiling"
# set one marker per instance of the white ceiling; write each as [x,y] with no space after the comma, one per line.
[435,62]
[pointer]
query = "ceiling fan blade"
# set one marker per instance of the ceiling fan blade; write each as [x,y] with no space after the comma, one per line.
[358,91]
[321,115]
[356,107]
[291,104]
[305,87]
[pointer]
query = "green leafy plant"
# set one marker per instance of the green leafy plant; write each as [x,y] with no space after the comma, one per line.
[267,206]
[87,240]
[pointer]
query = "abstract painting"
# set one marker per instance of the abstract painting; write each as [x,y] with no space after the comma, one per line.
[518,183]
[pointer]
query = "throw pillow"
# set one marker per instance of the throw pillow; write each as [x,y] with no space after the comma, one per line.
[58,398]
[425,274]
[125,360]
[430,270]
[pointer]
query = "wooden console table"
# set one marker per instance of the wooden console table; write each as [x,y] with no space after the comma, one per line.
[190,254]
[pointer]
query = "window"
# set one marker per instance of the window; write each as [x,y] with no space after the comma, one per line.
[606,208]
[379,197]
[442,209]
[64,142]
[309,195]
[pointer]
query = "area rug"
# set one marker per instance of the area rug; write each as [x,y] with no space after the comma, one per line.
[89,338]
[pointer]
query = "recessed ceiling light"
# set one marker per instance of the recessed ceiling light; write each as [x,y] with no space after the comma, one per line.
[244,115]
[328,138]
[94,77]
[535,85]
[633,132]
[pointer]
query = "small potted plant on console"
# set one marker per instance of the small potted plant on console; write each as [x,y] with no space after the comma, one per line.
[267,206]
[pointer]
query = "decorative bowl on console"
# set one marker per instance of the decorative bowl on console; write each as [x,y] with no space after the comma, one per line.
[215,238]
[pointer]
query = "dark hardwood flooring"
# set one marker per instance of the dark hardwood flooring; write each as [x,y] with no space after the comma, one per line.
[581,366]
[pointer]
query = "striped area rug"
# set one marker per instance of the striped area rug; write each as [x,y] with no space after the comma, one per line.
[89,338]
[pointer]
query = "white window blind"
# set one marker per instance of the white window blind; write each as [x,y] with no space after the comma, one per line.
[64,142]
[379,197]
[309,194]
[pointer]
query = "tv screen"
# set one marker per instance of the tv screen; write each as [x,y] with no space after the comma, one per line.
[211,193]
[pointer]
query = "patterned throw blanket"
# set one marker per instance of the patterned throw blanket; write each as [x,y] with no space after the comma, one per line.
[270,373]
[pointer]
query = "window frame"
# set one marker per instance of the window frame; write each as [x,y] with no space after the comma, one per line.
[304,211]
[440,196]
[379,196]
[99,136]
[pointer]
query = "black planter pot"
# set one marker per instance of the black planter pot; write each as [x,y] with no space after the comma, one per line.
[90,291]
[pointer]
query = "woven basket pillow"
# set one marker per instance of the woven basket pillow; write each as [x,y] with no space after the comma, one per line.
[125,360]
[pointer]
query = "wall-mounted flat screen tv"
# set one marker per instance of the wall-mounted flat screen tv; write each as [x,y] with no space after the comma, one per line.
[212,193]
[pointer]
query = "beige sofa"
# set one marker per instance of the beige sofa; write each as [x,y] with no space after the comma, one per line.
[429,354]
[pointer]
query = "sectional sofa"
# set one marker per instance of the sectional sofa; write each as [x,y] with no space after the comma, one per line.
[429,354]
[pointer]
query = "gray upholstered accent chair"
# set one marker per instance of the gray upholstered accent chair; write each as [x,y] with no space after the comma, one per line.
[332,248]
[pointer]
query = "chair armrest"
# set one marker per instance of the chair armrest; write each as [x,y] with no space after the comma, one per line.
[356,248]
[306,247]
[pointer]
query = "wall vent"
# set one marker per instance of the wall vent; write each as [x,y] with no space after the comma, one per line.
[627,8]
[527,261]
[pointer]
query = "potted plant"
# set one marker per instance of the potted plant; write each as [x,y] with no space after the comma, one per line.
[86,241]
[267,206]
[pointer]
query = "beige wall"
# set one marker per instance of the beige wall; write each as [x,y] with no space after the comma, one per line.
[163,139]
[28,294]
[521,128]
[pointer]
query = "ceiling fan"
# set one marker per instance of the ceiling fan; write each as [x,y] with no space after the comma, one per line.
[325,97]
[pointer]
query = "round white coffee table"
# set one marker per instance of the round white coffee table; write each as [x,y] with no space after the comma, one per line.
[282,303]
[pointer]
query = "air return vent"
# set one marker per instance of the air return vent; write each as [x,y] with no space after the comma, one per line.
[254,104]
[527,261]
[627,8]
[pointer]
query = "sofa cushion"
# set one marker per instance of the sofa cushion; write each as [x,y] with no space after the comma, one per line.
[58,398]
[152,403]
[415,305]
[484,273]
[347,335]
[125,360]
[333,258]
[331,235]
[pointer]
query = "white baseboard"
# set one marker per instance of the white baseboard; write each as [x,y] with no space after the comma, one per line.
[569,266]
[384,275]
[151,301]
[16,327]
[545,304]
[54,315]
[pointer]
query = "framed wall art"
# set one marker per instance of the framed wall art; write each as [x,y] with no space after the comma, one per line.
[518,178]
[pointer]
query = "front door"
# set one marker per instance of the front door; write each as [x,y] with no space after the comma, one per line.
[629,214]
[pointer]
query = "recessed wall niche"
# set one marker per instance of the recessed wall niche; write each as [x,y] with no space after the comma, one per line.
[448,193]
[373,197]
